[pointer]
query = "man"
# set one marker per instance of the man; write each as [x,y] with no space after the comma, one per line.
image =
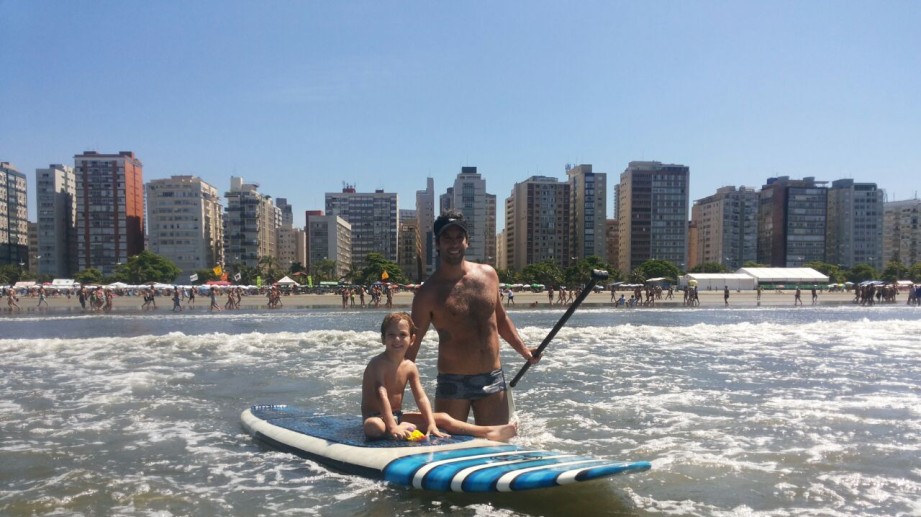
[461,299]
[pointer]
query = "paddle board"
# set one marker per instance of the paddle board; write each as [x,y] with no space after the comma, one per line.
[457,463]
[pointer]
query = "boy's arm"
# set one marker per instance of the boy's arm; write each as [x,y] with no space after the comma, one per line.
[376,399]
[422,402]
[383,402]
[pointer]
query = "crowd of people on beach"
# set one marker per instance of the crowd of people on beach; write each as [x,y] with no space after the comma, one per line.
[376,293]
[102,299]
[871,293]
[652,294]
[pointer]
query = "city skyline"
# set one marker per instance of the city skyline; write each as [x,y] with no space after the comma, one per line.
[381,97]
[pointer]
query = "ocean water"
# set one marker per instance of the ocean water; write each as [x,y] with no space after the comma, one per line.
[748,412]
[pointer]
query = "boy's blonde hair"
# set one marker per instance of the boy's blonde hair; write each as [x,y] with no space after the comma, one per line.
[395,317]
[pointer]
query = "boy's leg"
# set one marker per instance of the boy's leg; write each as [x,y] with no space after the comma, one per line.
[374,427]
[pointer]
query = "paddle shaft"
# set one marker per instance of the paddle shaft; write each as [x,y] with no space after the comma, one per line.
[597,275]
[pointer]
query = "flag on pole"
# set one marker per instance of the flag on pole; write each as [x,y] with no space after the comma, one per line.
[384,275]
[218,270]
[193,277]
[237,277]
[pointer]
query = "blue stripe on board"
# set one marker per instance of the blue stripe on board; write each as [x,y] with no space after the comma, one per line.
[440,477]
[548,478]
[506,459]
[402,470]
[485,480]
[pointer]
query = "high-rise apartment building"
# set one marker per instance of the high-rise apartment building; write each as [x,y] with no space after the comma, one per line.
[902,231]
[110,209]
[791,222]
[286,212]
[726,227]
[185,223]
[329,238]
[854,229]
[410,252]
[468,195]
[652,208]
[14,217]
[693,245]
[425,220]
[588,204]
[56,194]
[446,201]
[537,222]
[502,263]
[292,241]
[612,242]
[33,247]
[374,218]
[251,222]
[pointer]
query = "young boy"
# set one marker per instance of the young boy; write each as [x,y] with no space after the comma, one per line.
[384,383]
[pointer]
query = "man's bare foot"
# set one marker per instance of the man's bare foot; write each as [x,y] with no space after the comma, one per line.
[502,433]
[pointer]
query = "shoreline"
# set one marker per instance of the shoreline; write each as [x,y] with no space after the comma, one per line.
[403,301]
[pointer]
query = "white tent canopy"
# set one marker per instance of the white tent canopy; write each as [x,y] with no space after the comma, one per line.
[785,275]
[286,281]
[717,281]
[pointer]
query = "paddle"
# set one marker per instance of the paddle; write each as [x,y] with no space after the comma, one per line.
[597,275]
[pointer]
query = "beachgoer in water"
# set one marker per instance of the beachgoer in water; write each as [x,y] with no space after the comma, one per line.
[11,300]
[461,300]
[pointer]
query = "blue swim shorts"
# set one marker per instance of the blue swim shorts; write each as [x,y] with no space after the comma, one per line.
[469,387]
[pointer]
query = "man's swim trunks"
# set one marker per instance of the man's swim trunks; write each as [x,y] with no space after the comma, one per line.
[469,387]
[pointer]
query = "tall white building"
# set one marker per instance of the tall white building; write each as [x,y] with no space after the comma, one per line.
[468,195]
[14,213]
[727,228]
[185,223]
[374,218]
[588,212]
[251,222]
[329,237]
[56,193]
[902,231]
[854,228]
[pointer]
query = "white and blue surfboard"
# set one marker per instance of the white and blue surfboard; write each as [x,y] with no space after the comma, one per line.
[458,463]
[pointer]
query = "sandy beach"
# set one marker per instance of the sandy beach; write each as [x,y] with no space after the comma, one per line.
[403,301]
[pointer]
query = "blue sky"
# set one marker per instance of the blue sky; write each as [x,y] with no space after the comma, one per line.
[301,97]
